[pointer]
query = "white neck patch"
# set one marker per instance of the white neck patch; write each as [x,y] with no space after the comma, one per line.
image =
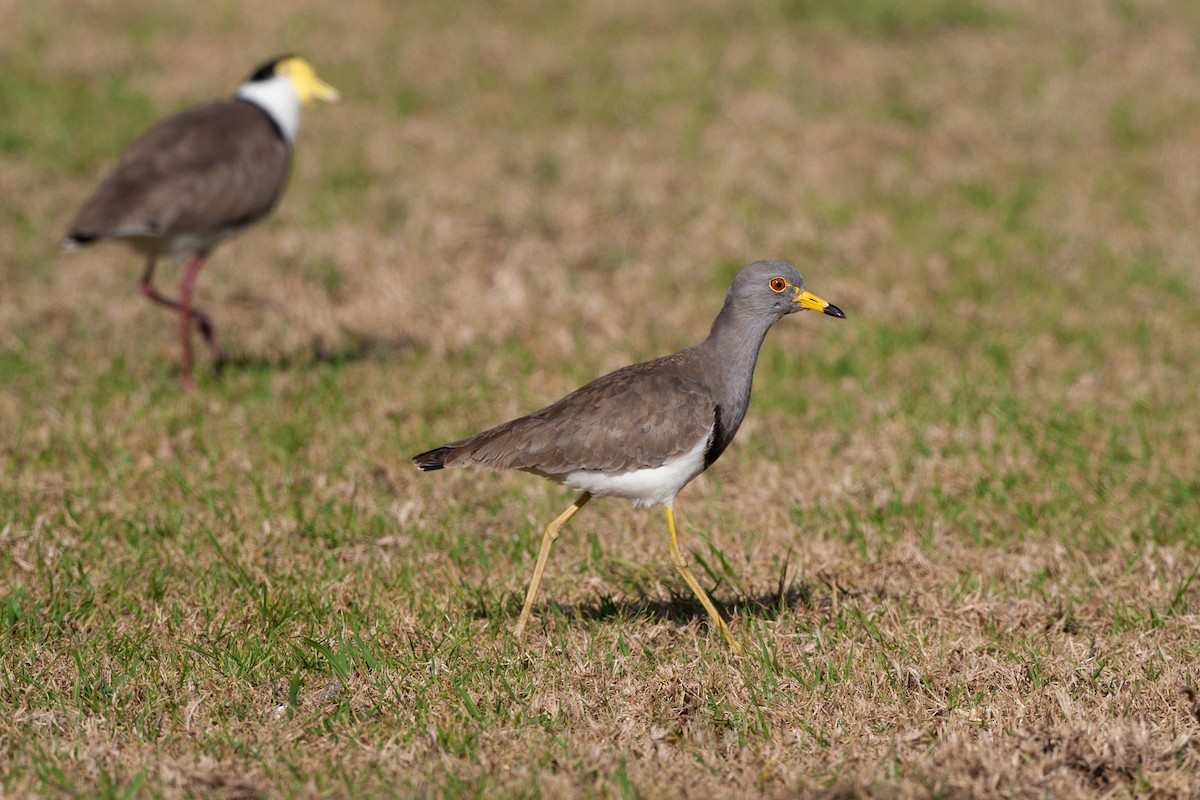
[278,98]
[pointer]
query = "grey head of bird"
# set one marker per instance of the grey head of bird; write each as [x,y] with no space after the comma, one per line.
[769,290]
[281,86]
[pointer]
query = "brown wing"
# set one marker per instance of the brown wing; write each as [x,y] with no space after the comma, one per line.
[640,416]
[211,168]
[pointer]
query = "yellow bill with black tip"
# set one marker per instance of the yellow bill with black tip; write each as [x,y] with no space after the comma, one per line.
[810,301]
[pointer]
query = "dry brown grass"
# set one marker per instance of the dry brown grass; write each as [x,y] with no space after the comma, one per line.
[959,530]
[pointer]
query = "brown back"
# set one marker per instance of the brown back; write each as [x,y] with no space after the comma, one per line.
[210,168]
[637,417]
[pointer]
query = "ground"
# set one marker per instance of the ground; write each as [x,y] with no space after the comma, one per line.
[958,534]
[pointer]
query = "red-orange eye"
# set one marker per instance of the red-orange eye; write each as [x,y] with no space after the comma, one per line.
[777,284]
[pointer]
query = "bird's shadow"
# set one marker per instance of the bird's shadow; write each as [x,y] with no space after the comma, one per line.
[684,608]
[354,347]
[679,609]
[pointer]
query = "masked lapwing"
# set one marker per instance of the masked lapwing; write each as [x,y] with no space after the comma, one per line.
[645,431]
[200,177]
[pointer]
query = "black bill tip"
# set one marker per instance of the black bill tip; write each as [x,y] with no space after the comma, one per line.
[834,311]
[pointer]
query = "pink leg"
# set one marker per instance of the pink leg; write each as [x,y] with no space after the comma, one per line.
[185,317]
[199,317]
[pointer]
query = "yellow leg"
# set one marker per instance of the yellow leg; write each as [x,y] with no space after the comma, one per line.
[543,556]
[681,565]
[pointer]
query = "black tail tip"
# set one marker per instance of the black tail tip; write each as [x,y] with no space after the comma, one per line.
[432,460]
[76,240]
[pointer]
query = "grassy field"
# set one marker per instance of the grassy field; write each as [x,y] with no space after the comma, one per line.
[959,533]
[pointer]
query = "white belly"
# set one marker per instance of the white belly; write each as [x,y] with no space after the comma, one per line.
[181,245]
[645,487]
[186,243]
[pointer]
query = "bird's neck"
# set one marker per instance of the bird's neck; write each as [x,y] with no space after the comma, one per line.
[276,97]
[732,351]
